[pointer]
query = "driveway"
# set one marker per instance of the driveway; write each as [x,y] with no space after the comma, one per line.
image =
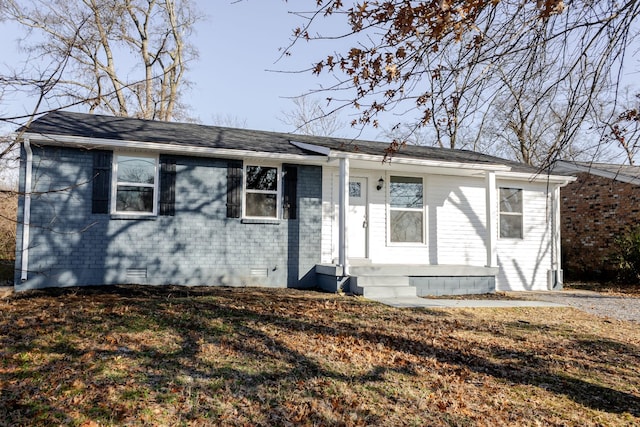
[616,307]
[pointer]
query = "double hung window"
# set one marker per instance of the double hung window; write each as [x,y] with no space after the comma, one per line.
[406,209]
[511,213]
[262,185]
[136,184]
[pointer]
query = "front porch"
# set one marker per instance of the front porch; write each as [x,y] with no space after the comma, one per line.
[400,280]
[408,230]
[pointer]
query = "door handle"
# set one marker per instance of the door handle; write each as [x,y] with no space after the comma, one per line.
[364,224]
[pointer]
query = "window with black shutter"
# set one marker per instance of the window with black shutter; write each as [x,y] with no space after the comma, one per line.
[135,184]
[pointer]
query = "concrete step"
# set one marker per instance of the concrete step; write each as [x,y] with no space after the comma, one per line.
[421,270]
[380,280]
[381,286]
[388,291]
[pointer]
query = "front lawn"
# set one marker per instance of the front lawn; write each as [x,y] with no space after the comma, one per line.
[131,355]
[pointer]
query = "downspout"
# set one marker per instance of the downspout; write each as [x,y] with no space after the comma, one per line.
[556,272]
[26,216]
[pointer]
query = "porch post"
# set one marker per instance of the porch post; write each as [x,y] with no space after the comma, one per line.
[492,219]
[343,208]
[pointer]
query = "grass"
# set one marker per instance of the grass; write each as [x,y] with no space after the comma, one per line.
[130,355]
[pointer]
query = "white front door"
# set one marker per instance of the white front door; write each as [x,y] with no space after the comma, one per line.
[357,222]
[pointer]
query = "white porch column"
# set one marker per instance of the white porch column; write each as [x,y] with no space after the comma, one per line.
[491,219]
[343,209]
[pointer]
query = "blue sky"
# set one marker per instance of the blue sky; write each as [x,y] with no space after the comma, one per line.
[236,75]
[238,44]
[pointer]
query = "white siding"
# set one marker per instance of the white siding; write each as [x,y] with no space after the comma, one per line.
[524,262]
[455,216]
[457,212]
[454,221]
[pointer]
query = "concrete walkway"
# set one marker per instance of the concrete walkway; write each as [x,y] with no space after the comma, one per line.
[417,302]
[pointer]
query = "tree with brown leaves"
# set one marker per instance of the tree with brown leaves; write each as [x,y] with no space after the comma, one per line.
[625,130]
[449,65]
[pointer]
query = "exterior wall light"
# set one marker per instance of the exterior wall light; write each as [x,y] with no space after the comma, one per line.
[380,184]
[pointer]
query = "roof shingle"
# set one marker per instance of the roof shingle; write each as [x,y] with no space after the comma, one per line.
[67,123]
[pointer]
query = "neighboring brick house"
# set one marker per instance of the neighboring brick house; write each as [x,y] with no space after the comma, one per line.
[108,200]
[602,204]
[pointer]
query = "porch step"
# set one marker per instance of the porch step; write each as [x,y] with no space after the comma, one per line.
[396,280]
[389,291]
[363,281]
[381,286]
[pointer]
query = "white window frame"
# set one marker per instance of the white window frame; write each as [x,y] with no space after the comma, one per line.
[115,183]
[422,210]
[520,214]
[277,192]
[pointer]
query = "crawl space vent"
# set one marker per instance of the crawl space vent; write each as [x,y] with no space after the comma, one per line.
[259,272]
[136,273]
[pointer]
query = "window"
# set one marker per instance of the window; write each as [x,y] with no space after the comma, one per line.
[261,191]
[406,210]
[355,189]
[135,189]
[511,213]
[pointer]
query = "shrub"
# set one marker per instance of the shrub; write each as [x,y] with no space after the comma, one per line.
[627,255]
[8,209]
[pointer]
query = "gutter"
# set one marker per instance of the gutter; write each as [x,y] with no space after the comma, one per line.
[166,148]
[26,216]
[337,154]
[562,180]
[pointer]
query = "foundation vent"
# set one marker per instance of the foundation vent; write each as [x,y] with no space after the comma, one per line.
[259,272]
[136,273]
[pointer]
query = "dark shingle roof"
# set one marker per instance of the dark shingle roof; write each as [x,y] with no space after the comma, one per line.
[130,129]
[625,170]
[623,173]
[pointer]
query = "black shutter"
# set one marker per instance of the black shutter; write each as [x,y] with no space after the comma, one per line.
[101,182]
[234,189]
[167,186]
[290,204]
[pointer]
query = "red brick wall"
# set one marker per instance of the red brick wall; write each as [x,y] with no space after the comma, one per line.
[594,212]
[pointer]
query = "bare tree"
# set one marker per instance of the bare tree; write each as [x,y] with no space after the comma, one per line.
[38,83]
[445,64]
[97,39]
[228,120]
[309,117]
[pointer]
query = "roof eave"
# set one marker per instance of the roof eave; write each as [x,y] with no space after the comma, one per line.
[574,168]
[182,149]
[561,180]
[411,161]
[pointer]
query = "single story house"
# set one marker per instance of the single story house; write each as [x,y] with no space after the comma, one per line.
[109,200]
[600,206]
